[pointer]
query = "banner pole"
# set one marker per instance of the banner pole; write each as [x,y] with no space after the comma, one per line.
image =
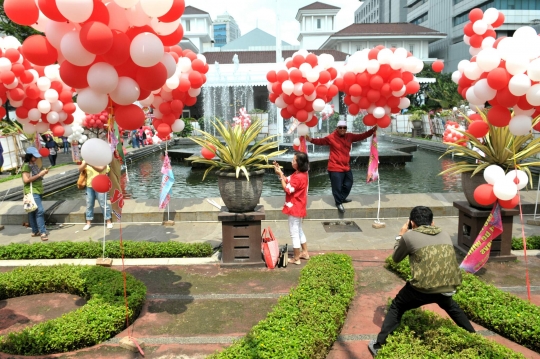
[105,224]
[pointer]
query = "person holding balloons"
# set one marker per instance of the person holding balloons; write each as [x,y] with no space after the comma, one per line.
[339,169]
[92,195]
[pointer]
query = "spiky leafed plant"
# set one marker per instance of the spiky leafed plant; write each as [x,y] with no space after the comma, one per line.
[237,154]
[500,147]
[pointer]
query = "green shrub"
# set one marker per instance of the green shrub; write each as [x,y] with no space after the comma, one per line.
[102,317]
[305,323]
[485,304]
[533,242]
[424,334]
[188,128]
[132,249]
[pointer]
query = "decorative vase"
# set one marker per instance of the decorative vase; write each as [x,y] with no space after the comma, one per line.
[417,125]
[469,184]
[239,194]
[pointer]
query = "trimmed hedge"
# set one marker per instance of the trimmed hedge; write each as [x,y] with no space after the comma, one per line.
[485,304]
[533,242]
[424,334]
[132,249]
[305,323]
[101,318]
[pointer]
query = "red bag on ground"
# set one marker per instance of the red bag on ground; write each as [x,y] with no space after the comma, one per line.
[270,248]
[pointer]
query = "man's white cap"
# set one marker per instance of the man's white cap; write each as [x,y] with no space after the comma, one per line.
[342,124]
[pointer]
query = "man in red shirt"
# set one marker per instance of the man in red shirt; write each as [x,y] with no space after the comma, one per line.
[339,169]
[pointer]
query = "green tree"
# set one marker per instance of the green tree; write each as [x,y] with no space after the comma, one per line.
[8,27]
[441,94]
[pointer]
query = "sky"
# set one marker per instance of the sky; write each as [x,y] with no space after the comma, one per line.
[250,14]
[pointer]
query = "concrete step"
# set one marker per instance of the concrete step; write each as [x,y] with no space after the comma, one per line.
[198,209]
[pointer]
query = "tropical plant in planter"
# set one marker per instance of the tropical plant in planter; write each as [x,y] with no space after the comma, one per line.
[416,118]
[497,147]
[241,162]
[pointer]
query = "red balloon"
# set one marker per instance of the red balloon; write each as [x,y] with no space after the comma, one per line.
[21,112]
[164,130]
[58,130]
[22,12]
[300,102]
[523,103]
[152,78]
[190,101]
[206,153]
[349,78]
[376,82]
[499,116]
[17,94]
[475,117]
[396,84]
[324,77]
[308,88]
[510,203]
[505,98]
[44,152]
[271,76]
[27,77]
[118,53]
[298,60]
[384,121]
[96,37]
[312,60]
[412,87]
[393,101]
[295,75]
[373,95]
[7,77]
[74,76]
[313,122]
[355,90]
[197,65]
[363,79]
[321,91]
[12,54]
[99,14]
[177,106]
[174,38]
[381,102]
[195,79]
[484,195]
[169,119]
[499,21]
[354,109]
[468,29]
[65,96]
[364,103]
[39,51]
[476,41]
[347,100]
[285,114]
[130,117]
[174,13]
[50,10]
[498,78]
[475,15]
[372,55]
[282,75]
[478,129]
[332,91]
[437,66]
[101,183]
[370,120]
[408,77]
[386,91]
[165,108]
[302,116]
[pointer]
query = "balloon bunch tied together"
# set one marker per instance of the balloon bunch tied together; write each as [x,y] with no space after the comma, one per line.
[504,72]
[500,187]
[302,85]
[113,53]
[452,135]
[377,81]
[41,100]
[243,119]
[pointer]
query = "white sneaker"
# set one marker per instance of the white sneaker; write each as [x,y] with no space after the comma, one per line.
[109,225]
[86,227]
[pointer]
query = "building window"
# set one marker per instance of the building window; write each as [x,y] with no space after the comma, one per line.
[517,4]
[188,25]
[420,19]
[411,49]
[464,16]
[318,23]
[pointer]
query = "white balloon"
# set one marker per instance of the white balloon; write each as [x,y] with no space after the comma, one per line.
[51,95]
[202,58]
[126,92]
[62,116]
[533,70]
[480,27]
[488,59]
[53,117]
[172,82]
[379,112]
[146,50]
[136,15]
[194,92]
[472,71]
[43,84]
[462,65]
[522,178]
[96,152]
[533,95]
[302,129]
[11,42]
[287,87]
[117,17]
[373,66]
[157,101]
[56,30]
[296,142]
[519,85]
[385,56]
[312,76]
[505,189]
[471,97]
[167,96]
[75,10]
[311,97]
[396,63]
[42,127]
[184,64]
[178,125]
[44,106]
[483,91]
[491,15]
[493,173]
[404,102]
[5,64]
[520,125]
[168,61]
[126,4]
[164,28]
[487,43]
[467,40]
[298,91]
[474,51]
[29,128]
[280,103]
[518,111]
[52,72]
[102,77]
[456,75]
[318,105]
[516,64]
[400,53]
[73,50]
[34,114]
[156,8]
[91,101]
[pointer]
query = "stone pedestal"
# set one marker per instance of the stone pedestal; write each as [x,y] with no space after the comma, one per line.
[242,238]
[471,221]
[417,132]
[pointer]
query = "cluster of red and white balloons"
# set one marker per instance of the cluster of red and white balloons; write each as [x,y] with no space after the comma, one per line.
[114,53]
[501,187]
[42,101]
[302,85]
[377,81]
[504,72]
[96,121]
[452,135]
[181,88]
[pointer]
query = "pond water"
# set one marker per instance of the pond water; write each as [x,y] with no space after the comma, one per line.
[419,176]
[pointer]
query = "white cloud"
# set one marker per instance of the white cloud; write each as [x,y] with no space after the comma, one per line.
[262,13]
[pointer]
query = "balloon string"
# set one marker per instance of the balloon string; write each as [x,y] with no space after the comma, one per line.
[527,280]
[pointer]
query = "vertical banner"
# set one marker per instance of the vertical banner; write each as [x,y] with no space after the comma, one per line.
[75,152]
[303,144]
[479,253]
[166,182]
[373,166]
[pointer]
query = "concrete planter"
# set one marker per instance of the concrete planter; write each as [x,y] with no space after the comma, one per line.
[469,184]
[239,194]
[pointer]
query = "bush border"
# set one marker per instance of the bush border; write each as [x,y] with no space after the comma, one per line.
[498,311]
[305,323]
[94,249]
[101,318]
[533,242]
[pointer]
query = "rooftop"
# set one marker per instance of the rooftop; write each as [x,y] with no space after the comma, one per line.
[190,10]
[255,37]
[259,57]
[319,6]
[378,29]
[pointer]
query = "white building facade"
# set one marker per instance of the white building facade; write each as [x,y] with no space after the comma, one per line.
[198,29]
[317,23]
